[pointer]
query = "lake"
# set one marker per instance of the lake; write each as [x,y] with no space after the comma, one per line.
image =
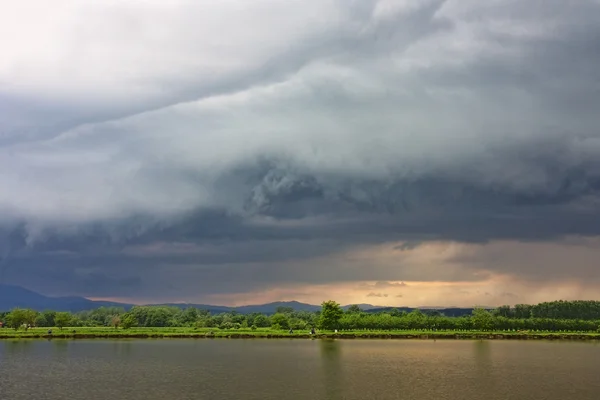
[298,369]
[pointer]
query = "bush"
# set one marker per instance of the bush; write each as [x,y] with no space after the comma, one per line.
[128,321]
[226,325]
[280,320]
[253,327]
[199,324]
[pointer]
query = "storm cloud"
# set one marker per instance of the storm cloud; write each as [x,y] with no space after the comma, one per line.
[221,147]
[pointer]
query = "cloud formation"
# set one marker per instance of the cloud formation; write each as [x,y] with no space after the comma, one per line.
[274,141]
[373,294]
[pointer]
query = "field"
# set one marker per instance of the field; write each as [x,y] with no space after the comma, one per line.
[101,332]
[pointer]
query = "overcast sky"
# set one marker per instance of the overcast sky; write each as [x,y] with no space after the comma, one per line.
[395,152]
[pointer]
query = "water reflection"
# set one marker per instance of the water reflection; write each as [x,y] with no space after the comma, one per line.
[297,370]
[332,368]
[18,347]
[60,347]
[122,348]
[482,350]
[484,378]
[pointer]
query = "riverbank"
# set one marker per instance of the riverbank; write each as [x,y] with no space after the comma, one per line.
[179,333]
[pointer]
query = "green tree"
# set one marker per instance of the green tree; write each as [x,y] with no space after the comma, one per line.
[482,320]
[331,313]
[261,321]
[76,321]
[115,321]
[415,319]
[226,325]
[30,316]
[523,311]
[101,316]
[394,312]
[49,317]
[128,320]
[206,321]
[354,309]
[280,321]
[16,318]
[550,316]
[62,319]
[503,311]
[158,316]
[284,310]
[189,316]
[41,320]
[297,323]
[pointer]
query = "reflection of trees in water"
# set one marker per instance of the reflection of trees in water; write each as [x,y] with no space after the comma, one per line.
[17,347]
[60,349]
[60,346]
[121,348]
[482,352]
[332,368]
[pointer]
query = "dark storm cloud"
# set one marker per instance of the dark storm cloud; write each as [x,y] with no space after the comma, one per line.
[362,123]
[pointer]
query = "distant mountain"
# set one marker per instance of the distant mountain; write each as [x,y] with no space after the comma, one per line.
[268,308]
[447,311]
[385,309]
[364,307]
[16,296]
[207,307]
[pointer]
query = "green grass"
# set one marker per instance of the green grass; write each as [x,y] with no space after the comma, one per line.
[103,332]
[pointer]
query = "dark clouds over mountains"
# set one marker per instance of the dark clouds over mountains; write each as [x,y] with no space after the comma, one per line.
[245,146]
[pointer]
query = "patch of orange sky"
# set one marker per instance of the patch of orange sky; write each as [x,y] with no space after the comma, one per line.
[500,290]
[449,282]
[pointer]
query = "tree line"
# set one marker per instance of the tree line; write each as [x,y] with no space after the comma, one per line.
[579,309]
[549,316]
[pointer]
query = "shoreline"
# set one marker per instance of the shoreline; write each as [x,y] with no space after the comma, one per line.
[347,336]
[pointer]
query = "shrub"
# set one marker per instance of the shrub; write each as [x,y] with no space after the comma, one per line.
[226,325]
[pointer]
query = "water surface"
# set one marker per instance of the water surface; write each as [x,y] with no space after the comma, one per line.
[298,369]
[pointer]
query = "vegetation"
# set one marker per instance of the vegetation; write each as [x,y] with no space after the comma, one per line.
[62,319]
[186,332]
[545,318]
[331,314]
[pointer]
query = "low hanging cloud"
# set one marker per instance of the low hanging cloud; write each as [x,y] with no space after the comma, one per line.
[373,294]
[200,144]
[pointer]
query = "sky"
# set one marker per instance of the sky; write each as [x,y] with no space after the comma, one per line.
[391,152]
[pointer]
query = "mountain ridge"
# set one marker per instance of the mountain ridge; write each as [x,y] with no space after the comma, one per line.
[12,296]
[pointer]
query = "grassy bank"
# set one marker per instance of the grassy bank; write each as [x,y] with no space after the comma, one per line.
[90,333]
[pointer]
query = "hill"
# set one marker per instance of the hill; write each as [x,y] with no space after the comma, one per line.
[16,296]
